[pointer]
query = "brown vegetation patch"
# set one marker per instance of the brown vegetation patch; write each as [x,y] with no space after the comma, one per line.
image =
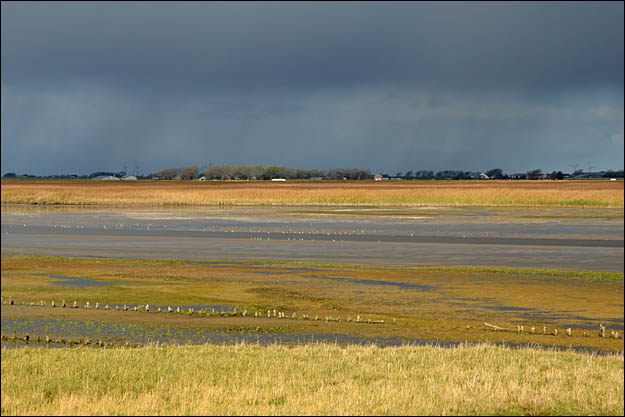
[575,193]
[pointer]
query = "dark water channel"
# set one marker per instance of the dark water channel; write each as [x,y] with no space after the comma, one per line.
[136,335]
[80,282]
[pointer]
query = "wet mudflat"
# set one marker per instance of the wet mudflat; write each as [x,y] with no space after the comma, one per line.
[145,334]
[573,239]
[433,304]
[75,333]
[365,275]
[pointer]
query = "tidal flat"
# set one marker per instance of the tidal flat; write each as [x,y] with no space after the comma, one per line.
[571,239]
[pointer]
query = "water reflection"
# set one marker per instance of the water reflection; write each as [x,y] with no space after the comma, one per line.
[130,335]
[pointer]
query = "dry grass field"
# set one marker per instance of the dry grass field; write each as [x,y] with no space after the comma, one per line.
[310,380]
[599,193]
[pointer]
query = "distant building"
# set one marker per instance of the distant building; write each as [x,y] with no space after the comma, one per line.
[278,179]
[582,174]
[484,176]
[106,178]
[129,178]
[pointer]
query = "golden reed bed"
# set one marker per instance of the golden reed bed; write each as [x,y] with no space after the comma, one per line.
[579,193]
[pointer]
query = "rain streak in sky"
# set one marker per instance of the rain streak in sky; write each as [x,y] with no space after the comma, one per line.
[390,87]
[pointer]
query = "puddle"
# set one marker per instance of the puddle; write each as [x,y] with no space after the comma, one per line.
[591,324]
[269,272]
[305,269]
[538,317]
[135,334]
[404,285]
[547,318]
[510,309]
[560,318]
[80,282]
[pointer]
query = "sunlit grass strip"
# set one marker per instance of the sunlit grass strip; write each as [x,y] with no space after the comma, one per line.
[309,380]
[545,273]
[600,194]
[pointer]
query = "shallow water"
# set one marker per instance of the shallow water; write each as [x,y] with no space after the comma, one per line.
[119,334]
[563,319]
[403,285]
[80,282]
[569,239]
[113,332]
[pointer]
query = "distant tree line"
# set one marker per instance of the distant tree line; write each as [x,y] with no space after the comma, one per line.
[96,174]
[258,172]
[613,174]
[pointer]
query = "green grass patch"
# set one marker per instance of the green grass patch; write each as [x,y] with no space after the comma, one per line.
[533,272]
[425,303]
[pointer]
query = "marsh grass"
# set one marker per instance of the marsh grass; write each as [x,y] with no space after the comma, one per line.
[534,272]
[310,380]
[452,306]
[606,194]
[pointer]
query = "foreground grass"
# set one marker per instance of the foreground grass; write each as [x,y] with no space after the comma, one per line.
[606,194]
[311,379]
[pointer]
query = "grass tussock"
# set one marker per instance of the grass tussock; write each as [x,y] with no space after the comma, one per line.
[310,379]
[602,194]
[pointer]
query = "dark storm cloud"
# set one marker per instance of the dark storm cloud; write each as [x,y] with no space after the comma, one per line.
[92,86]
[303,45]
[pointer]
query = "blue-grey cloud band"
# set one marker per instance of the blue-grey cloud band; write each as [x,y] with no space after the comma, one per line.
[386,86]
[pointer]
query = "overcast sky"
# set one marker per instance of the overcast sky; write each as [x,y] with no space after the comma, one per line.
[99,86]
